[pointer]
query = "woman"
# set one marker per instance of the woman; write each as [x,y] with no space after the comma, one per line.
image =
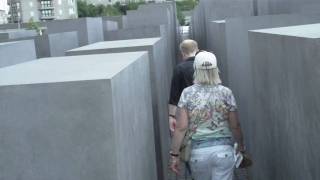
[207,110]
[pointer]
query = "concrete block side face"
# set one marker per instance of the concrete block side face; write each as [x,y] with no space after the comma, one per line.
[133,33]
[42,46]
[57,131]
[4,36]
[79,25]
[12,53]
[217,44]
[61,42]
[238,57]
[285,98]
[22,34]
[266,7]
[134,122]
[94,27]
[220,9]
[162,76]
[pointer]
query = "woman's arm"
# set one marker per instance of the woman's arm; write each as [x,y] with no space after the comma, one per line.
[178,135]
[180,131]
[236,129]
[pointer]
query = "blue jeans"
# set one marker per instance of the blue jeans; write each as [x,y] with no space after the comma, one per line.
[212,163]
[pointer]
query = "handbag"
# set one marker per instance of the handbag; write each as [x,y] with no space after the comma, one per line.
[246,161]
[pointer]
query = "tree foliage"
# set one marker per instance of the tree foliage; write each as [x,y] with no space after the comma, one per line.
[89,10]
[32,25]
[185,5]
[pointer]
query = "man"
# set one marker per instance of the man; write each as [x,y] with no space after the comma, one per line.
[182,77]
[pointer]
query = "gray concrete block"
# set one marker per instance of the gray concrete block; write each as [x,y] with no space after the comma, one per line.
[110,26]
[267,7]
[16,52]
[160,77]
[238,59]
[121,20]
[167,11]
[9,34]
[77,118]
[217,44]
[90,30]
[136,33]
[59,43]
[52,45]
[212,10]
[285,64]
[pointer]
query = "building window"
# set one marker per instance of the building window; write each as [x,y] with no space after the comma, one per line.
[60,12]
[45,4]
[32,14]
[71,2]
[47,13]
[31,4]
[71,11]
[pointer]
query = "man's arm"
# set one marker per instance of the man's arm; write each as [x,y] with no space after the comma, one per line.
[175,93]
[172,117]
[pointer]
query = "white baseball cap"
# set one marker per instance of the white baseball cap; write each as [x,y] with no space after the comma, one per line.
[205,60]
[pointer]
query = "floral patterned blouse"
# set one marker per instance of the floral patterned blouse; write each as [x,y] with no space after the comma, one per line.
[208,108]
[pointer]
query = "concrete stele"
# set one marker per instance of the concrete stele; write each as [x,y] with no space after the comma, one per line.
[71,118]
[285,72]
[160,76]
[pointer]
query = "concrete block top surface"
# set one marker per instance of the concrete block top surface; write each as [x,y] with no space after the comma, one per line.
[219,21]
[67,69]
[305,31]
[7,43]
[118,44]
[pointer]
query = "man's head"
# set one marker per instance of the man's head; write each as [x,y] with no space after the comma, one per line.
[188,48]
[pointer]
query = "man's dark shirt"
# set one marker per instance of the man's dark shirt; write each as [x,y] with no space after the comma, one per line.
[182,78]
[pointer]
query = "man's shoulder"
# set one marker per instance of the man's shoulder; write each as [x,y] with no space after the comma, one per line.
[184,66]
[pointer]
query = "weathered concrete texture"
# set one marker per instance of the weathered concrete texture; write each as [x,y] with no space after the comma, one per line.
[310,9]
[16,34]
[197,27]
[89,30]
[52,45]
[160,83]
[110,25]
[167,11]
[212,10]
[136,33]
[16,52]
[121,20]
[217,44]
[71,118]
[238,59]
[285,64]
[266,7]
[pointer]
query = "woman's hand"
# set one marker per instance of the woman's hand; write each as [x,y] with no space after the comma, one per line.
[174,164]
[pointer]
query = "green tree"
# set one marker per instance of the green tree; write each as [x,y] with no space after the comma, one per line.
[82,8]
[187,5]
[32,25]
[181,17]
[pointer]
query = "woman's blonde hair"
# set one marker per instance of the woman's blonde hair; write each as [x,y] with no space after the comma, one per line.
[206,76]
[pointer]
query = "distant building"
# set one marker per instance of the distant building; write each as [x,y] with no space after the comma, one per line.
[3,14]
[107,2]
[41,10]
[3,17]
